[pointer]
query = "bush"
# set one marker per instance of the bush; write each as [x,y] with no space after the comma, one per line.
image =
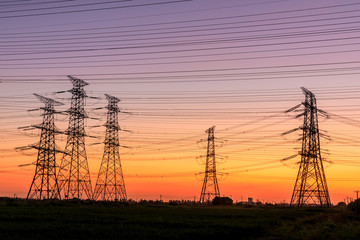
[222,201]
[353,205]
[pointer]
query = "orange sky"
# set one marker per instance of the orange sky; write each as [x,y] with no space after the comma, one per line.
[162,166]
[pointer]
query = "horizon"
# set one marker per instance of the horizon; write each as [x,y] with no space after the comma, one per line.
[179,68]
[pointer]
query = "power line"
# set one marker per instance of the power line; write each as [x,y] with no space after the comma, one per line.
[31,3]
[95,9]
[182,50]
[190,56]
[153,30]
[196,42]
[57,7]
[146,16]
[200,70]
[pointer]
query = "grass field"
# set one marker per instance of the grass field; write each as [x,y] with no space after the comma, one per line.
[35,220]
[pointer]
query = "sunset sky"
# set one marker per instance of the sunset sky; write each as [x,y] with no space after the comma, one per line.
[179,68]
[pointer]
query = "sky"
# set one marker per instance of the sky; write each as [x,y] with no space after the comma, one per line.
[179,68]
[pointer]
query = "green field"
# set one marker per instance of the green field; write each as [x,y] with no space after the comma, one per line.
[36,220]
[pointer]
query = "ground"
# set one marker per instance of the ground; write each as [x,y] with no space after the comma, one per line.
[60,220]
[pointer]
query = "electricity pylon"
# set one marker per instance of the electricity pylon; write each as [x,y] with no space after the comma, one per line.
[45,183]
[210,188]
[74,174]
[310,186]
[110,185]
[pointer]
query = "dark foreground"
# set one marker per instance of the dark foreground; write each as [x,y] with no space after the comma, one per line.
[34,220]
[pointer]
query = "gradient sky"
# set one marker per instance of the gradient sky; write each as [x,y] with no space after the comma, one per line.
[181,67]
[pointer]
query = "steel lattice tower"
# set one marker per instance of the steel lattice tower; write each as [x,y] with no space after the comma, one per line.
[74,174]
[45,183]
[110,185]
[310,186]
[210,188]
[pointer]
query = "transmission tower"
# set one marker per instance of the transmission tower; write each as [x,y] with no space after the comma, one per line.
[74,174]
[45,183]
[210,188]
[110,185]
[310,186]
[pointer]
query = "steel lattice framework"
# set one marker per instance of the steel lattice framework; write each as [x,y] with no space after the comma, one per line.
[110,185]
[74,174]
[310,186]
[45,183]
[210,188]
